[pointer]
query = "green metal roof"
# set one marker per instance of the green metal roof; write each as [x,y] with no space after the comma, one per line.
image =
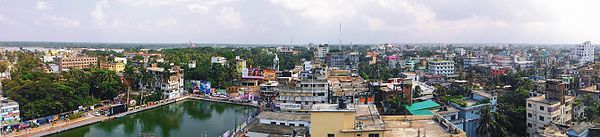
[421,112]
[422,108]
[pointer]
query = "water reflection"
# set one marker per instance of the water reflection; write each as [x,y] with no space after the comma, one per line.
[189,118]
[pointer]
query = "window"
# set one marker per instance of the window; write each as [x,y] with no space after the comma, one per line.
[529,115]
[529,125]
[283,124]
[358,134]
[373,135]
[541,107]
[273,123]
[330,135]
[291,124]
[541,118]
[301,125]
[528,105]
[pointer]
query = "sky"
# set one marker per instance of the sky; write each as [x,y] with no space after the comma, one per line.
[301,21]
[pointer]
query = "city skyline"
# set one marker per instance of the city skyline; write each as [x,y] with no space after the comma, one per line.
[299,22]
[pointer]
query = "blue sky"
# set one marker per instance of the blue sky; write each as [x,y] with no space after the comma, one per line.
[301,21]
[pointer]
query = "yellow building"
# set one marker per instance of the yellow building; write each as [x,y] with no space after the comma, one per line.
[116,67]
[331,120]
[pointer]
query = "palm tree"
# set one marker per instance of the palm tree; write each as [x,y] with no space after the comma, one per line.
[488,126]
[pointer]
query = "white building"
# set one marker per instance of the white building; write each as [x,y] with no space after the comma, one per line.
[460,51]
[9,112]
[121,60]
[322,50]
[220,60]
[171,84]
[553,108]
[304,93]
[192,64]
[441,67]
[584,53]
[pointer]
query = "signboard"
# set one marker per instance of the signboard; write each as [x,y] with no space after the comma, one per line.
[201,85]
[252,73]
[290,106]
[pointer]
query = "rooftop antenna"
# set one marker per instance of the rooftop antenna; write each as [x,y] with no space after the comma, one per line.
[340,36]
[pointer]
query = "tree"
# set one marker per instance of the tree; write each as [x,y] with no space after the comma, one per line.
[105,84]
[418,91]
[488,127]
[592,112]
[512,112]
[4,66]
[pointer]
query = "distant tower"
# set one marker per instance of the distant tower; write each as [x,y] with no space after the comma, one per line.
[276,63]
[340,37]
[192,44]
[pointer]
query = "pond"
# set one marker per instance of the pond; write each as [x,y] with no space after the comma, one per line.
[187,118]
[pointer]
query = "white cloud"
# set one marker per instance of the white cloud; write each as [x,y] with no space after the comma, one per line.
[159,25]
[230,18]
[98,13]
[42,5]
[4,20]
[201,6]
[323,11]
[58,21]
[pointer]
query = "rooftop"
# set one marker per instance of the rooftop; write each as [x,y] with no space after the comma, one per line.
[331,108]
[415,126]
[283,116]
[542,99]
[482,93]
[590,89]
[277,130]
[422,108]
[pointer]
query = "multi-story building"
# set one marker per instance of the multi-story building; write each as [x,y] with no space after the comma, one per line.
[343,60]
[268,91]
[303,93]
[170,81]
[121,60]
[116,67]
[349,87]
[555,107]
[584,53]
[441,67]
[322,51]
[589,70]
[9,112]
[77,62]
[472,61]
[468,110]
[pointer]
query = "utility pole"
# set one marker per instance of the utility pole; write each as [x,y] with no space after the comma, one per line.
[128,89]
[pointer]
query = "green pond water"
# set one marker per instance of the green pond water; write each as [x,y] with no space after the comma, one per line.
[181,119]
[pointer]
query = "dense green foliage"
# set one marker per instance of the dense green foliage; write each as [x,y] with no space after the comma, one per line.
[511,106]
[224,75]
[41,94]
[592,112]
